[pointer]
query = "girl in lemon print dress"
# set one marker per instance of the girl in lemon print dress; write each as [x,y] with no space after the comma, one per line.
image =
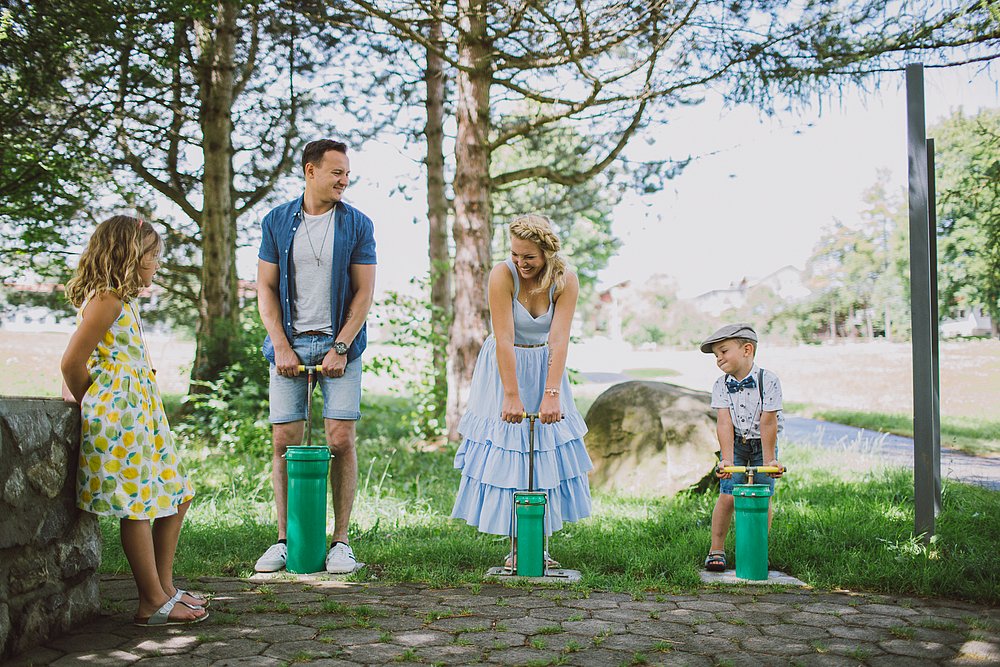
[128,466]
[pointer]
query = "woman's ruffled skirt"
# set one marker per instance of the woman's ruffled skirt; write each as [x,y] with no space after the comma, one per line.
[493,456]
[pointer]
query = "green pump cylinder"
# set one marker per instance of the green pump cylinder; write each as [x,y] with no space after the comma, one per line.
[529,510]
[752,501]
[307,474]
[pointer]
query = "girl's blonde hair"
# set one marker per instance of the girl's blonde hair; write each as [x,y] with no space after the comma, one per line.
[112,258]
[538,230]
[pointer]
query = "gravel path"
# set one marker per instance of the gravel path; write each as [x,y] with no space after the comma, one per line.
[897,450]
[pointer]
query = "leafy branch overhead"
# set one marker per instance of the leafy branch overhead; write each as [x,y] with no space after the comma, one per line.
[615,67]
[196,112]
[613,71]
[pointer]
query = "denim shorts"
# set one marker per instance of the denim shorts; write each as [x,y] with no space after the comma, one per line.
[747,453]
[341,396]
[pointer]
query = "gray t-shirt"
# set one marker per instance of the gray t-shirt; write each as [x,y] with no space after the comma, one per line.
[312,255]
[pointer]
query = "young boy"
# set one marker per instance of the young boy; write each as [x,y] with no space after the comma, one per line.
[748,400]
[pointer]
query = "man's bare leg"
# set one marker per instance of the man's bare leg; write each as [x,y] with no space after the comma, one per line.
[340,437]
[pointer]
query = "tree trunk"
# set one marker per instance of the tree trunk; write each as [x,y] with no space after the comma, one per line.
[888,323]
[437,217]
[471,229]
[217,307]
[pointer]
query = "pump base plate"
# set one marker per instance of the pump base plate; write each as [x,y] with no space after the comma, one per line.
[774,578]
[552,576]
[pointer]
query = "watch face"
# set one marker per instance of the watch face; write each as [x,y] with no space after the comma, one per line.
[340,348]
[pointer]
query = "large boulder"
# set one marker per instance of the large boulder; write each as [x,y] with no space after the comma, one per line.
[651,438]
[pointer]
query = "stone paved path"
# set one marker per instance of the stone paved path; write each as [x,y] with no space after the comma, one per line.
[328,623]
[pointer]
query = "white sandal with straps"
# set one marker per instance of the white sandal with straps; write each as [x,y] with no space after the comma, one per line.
[161,616]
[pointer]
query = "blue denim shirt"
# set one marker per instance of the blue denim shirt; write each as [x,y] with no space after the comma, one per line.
[353,243]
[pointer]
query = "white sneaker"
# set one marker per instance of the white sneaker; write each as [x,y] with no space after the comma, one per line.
[340,559]
[273,559]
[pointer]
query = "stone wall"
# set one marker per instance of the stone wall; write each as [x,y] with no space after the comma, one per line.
[49,550]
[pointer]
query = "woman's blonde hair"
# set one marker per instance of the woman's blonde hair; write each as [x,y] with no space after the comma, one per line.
[538,230]
[112,258]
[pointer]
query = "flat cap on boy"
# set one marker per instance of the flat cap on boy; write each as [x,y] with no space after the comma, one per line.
[738,330]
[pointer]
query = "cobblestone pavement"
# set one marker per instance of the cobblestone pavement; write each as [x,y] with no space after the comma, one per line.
[328,623]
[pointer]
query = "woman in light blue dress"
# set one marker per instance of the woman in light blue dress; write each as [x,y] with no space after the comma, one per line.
[522,369]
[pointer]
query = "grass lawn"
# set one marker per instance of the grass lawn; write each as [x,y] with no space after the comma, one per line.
[840,522]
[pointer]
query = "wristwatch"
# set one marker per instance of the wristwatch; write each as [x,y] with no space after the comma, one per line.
[340,348]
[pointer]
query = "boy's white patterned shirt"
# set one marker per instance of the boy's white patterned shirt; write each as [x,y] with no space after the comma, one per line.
[744,405]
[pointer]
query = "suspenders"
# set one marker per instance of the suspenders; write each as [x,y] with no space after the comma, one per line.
[760,390]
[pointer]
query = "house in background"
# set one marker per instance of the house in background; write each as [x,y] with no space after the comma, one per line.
[606,314]
[786,283]
[968,323]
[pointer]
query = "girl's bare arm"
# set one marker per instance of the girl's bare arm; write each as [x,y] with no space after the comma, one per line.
[98,316]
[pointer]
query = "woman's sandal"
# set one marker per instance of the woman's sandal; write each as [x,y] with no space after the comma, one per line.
[198,605]
[161,616]
[715,561]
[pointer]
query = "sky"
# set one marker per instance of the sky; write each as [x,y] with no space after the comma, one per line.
[756,198]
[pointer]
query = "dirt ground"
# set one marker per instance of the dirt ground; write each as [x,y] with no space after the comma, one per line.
[872,377]
[868,377]
[30,362]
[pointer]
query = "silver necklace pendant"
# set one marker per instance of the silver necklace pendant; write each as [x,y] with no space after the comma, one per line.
[319,256]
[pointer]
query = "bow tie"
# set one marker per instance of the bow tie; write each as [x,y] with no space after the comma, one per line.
[748,383]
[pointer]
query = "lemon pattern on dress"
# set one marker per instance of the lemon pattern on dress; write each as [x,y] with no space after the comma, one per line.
[128,465]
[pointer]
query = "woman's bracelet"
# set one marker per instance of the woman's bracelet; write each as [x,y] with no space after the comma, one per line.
[552,391]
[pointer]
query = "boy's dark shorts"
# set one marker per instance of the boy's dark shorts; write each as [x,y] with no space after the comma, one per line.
[748,452]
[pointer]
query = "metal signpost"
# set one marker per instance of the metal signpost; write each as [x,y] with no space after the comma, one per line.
[923,310]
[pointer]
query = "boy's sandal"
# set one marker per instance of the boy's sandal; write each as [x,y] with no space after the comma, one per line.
[162,616]
[197,605]
[715,561]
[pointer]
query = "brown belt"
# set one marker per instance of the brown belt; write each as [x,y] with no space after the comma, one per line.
[518,345]
[314,333]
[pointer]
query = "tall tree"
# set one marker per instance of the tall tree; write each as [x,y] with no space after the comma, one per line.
[968,175]
[199,123]
[612,67]
[472,229]
[438,207]
[200,104]
[581,213]
[884,217]
[48,121]
[858,271]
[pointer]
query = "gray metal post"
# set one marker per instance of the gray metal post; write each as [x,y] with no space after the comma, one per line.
[926,484]
[935,331]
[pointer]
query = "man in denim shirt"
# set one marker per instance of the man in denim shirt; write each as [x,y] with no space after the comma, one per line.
[315,284]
